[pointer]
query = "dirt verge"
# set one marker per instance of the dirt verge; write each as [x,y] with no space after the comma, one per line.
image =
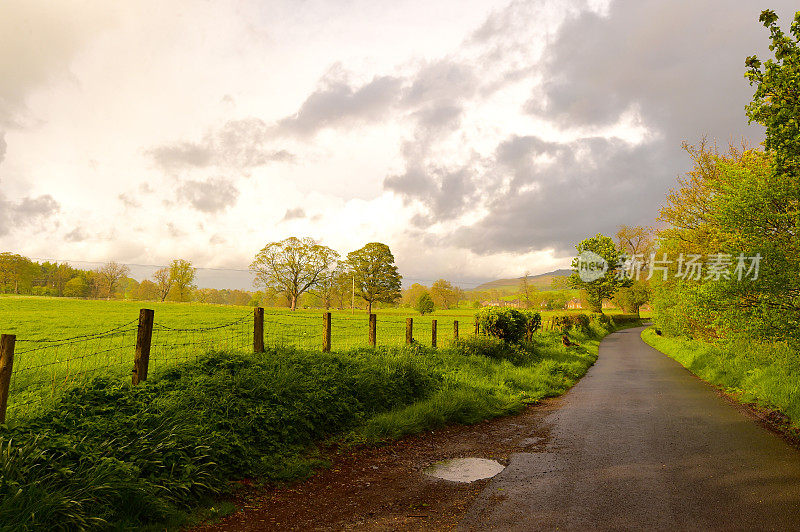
[383,487]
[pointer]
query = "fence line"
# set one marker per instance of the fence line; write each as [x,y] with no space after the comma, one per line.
[32,372]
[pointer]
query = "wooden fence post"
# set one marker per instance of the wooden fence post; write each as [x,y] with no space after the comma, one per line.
[144,335]
[258,330]
[373,322]
[409,330]
[455,329]
[476,326]
[7,342]
[326,332]
[433,333]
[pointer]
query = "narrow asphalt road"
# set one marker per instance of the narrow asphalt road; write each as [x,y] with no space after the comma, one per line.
[640,443]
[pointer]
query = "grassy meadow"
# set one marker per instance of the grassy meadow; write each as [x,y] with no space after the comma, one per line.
[61,341]
[108,455]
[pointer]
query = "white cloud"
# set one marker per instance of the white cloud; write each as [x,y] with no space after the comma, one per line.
[184,129]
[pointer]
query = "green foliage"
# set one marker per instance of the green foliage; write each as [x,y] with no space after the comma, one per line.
[182,275]
[605,286]
[493,348]
[16,272]
[508,324]
[631,298]
[130,456]
[577,322]
[776,102]
[293,266]
[424,304]
[376,275]
[733,204]
[444,294]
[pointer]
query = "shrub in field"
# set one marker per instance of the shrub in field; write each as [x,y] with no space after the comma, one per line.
[577,322]
[508,324]
[533,322]
[602,319]
[424,304]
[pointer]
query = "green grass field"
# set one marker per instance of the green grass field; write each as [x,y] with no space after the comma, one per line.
[110,456]
[84,449]
[61,342]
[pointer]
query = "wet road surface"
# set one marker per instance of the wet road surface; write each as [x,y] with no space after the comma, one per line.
[640,443]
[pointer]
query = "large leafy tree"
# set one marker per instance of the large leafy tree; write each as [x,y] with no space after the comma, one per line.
[110,276]
[744,202]
[605,286]
[375,274]
[444,294]
[776,102]
[163,282]
[16,271]
[293,266]
[412,293]
[182,274]
[636,242]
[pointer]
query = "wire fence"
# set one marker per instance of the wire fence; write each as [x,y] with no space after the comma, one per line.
[42,369]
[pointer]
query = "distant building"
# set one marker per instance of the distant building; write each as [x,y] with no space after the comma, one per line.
[573,303]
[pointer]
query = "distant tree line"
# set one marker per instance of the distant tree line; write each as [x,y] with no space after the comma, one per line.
[21,275]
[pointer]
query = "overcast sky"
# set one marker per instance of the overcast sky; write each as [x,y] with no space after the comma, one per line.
[478,138]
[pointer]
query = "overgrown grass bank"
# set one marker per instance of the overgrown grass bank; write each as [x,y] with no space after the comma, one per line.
[767,374]
[109,455]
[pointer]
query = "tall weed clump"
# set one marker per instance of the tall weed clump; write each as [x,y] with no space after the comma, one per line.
[508,324]
[110,453]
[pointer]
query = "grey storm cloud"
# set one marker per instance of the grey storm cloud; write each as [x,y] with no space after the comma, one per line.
[294,214]
[432,95]
[129,200]
[209,196]
[237,144]
[586,186]
[679,64]
[76,235]
[337,103]
[15,215]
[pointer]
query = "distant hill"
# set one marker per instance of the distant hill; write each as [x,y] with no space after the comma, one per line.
[540,282]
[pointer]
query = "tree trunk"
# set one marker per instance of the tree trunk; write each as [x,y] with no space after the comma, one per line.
[294,302]
[369,310]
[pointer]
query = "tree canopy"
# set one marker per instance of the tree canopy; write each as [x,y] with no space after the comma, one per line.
[182,274]
[776,101]
[375,273]
[293,266]
[424,304]
[604,286]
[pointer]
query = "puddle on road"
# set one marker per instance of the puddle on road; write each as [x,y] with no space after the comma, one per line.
[464,469]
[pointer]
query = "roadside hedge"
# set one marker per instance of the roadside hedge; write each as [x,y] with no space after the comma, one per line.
[509,324]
